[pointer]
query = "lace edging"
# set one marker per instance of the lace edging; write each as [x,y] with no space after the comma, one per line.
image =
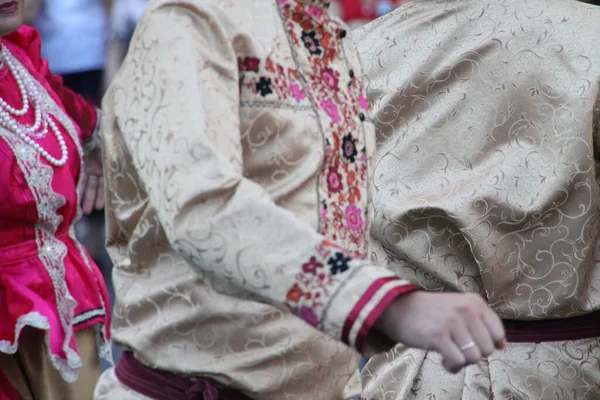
[68,368]
[51,251]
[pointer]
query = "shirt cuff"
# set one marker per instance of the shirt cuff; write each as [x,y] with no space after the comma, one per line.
[382,297]
[360,301]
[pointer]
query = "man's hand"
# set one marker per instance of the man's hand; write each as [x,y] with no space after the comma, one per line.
[459,326]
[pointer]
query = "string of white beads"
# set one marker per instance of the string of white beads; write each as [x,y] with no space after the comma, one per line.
[29,92]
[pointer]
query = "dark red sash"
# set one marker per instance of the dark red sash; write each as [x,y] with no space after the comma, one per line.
[164,385]
[553,330]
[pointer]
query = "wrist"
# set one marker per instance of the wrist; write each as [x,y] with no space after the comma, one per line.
[388,320]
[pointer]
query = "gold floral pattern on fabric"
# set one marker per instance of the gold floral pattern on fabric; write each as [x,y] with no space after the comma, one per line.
[215,160]
[486,182]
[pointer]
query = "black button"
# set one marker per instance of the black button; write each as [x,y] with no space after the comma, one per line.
[361,116]
[351,73]
[343,33]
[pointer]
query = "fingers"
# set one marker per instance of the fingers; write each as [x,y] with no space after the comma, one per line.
[453,360]
[482,336]
[461,327]
[495,327]
[99,203]
[477,331]
[466,343]
[89,194]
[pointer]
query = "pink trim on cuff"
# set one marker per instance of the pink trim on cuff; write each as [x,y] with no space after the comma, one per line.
[387,299]
[362,302]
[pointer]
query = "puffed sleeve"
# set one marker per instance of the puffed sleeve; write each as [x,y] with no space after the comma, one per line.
[179,120]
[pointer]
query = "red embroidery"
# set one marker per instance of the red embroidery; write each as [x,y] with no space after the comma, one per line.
[271,81]
[341,104]
[315,282]
[322,76]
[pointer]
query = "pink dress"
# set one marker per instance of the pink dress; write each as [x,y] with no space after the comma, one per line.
[47,279]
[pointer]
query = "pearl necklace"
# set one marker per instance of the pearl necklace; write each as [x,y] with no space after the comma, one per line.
[28,91]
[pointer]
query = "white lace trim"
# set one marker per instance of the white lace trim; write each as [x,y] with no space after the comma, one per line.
[38,321]
[87,315]
[104,345]
[51,251]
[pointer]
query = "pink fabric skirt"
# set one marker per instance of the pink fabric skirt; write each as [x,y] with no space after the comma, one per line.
[28,298]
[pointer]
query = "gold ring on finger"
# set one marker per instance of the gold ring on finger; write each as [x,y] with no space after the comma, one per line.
[467,346]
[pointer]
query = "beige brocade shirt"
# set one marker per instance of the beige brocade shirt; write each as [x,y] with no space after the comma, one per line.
[487,114]
[238,151]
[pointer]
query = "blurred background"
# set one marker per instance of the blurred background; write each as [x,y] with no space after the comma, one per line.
[85,42]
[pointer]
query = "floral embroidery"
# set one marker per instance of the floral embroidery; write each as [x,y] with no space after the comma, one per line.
[270,80]
[251,64]
[334,181]
[353,218]
[343,189]
[309,316]
[349,148]
[263,86]
[314,282]
[339,103]
[311,42]
[297,93]
[330,79]
[315,12]
[312,266]
[338,263]
[331,110]
[362,100]
[295,293]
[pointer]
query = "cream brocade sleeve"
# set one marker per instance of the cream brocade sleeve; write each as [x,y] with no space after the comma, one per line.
[184,139]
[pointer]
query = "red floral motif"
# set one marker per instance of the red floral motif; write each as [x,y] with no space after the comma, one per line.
[251,64]
[312,266]
[331,110]
[309,316]
[341,103]
[315,281]
[343,187]
[273,81]
[295,294]
[330,79]
[334,181]
[353,218]
[315,12]
[297,92]
[362,100]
